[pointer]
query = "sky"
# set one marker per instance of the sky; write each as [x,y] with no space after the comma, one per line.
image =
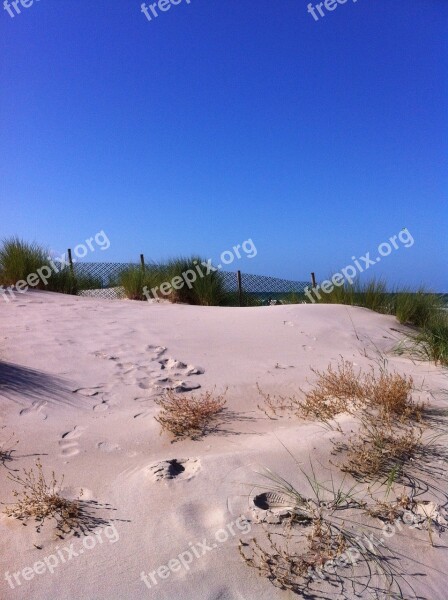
[220,121]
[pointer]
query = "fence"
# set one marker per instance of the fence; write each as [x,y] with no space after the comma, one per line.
[103,281]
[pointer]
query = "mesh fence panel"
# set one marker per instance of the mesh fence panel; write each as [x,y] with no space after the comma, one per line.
[102,281]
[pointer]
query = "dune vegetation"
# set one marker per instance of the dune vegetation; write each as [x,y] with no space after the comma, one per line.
[20,259]
[424,311]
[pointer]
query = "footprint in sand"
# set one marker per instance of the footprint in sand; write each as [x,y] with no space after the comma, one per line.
[105,355]
[108,447]
[156,350]
[88,391]
[102,407]
[185,386]
[145,383]
[171,364]
[175,468]
[69,444]
[35,409]
[166,383]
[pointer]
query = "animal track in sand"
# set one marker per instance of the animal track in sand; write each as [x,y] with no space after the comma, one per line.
[69,444]
[175,468]
[35,409]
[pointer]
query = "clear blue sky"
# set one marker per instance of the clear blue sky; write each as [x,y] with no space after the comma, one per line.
[223,120]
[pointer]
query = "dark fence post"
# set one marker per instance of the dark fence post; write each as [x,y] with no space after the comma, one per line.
[313,280]
[70,260]
[142,260]
[240,290]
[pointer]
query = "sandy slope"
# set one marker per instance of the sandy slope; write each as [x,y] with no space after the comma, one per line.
[78,390]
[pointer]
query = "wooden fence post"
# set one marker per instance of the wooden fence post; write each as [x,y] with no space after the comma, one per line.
[240,290]
[70,260]
[142,260]
[313,280]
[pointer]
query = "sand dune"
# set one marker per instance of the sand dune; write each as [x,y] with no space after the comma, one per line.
[78,382]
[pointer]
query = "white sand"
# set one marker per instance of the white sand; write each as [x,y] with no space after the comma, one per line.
[78,390]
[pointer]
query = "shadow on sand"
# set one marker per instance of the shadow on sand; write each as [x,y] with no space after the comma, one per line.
[19,383]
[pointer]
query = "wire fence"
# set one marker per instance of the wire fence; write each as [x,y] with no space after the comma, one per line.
[103,281]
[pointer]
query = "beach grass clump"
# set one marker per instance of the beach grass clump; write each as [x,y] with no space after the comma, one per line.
[417,308]
[18,259]
[189,415]
[431,342]
[133,280]
[295,298]
[207,289]
[371,294]
[178,280]
[422,310]
[40,500]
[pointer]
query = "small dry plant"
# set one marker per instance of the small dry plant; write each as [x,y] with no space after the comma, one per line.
[379,448]
[325,545]
[7,449]
[419,514]
[189,416]
[40,500]
[278,405]
[288,560]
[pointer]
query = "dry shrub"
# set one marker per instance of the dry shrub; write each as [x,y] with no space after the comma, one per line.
[391,394]
[39,500]
[379,448]
[335,392]
[189,416]
[344,390]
